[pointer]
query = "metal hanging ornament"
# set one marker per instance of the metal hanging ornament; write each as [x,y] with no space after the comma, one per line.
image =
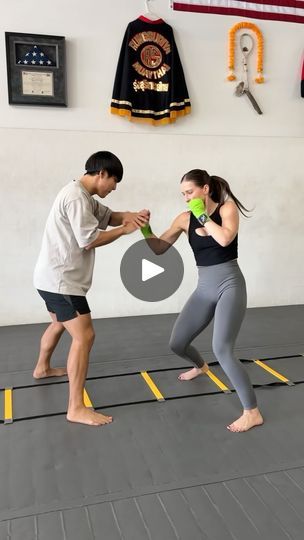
[246,45]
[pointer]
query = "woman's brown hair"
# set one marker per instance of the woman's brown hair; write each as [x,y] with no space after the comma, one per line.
[219,188]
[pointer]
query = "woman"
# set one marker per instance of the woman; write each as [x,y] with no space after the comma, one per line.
[212,228]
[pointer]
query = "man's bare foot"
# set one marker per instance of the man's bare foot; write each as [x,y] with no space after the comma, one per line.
[249,419]
[50,372]
[193,373]
[83,415]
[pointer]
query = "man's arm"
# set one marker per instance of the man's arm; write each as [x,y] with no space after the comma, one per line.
[107,237]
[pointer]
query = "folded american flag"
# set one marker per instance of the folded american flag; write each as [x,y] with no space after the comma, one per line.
[276,10]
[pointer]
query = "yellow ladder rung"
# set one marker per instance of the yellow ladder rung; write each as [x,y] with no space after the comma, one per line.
[8,405]
[152,386]
[87,400]
[273,372]
[217,381]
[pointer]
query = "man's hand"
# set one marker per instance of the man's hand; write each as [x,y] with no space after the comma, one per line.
[129,227]
[137,218]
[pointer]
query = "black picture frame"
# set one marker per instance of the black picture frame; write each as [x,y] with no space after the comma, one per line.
[36,83]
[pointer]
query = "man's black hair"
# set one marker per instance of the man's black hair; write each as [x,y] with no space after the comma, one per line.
[104,161]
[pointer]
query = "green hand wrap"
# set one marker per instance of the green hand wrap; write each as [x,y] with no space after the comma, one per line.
[146,230]
[198,209]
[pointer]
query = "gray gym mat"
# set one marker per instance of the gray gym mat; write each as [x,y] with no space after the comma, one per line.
[257,507]
[265,332]
[161,470]
[49,464]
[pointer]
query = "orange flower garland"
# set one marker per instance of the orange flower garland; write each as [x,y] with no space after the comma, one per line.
[231,49]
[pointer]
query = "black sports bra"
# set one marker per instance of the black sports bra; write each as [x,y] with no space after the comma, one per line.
[208,251]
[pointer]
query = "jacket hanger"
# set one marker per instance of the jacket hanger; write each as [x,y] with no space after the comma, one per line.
[149,14]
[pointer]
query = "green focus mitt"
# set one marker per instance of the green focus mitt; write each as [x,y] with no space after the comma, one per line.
[198,209]
[146,230]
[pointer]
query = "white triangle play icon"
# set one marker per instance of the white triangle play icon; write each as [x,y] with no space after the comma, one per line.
[150,270]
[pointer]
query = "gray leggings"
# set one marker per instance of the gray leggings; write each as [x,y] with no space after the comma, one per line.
[220,293]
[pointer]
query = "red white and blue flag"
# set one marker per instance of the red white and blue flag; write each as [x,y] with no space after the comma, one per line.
[275,10]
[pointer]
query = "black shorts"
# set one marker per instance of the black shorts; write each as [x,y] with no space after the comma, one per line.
[65,306]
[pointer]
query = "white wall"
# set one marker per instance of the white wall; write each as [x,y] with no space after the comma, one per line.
[261,156]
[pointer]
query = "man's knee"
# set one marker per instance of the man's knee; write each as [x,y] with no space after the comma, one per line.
[57,327]
[85,339]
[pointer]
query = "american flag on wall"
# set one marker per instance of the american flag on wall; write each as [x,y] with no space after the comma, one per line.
[275,10]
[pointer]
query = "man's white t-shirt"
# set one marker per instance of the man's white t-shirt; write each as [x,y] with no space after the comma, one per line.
[63,265]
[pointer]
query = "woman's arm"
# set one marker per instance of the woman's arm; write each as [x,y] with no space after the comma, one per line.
[162,243]
[224,234]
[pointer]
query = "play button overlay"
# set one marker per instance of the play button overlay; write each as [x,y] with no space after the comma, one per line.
[148,276]
[150,270]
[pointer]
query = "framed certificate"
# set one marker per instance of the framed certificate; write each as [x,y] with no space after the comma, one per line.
[36,71]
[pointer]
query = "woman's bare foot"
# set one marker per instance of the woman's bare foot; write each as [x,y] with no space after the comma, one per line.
[83,415]
[193,373]
[50,372]
[249,419]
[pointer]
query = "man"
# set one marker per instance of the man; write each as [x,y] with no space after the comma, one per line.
[64,269]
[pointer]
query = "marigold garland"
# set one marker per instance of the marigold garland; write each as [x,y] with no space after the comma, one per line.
[231,50]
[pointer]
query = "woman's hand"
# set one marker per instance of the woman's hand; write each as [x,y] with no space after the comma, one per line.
[198,209]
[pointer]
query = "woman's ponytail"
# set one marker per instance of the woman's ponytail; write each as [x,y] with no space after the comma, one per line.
[220,192]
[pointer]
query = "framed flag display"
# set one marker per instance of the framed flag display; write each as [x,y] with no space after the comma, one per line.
[36,71]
